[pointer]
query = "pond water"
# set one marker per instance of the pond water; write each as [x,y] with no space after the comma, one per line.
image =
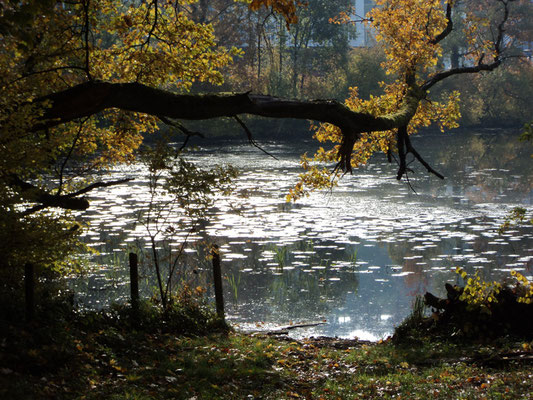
[354,258]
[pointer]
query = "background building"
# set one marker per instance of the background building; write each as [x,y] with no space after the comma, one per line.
[363,34]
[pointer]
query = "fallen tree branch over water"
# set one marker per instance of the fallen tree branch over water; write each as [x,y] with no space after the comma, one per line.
[92,97]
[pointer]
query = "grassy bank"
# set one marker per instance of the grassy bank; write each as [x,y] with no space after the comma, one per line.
[97,356]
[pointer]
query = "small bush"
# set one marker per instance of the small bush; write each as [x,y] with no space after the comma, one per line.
[187,313]
[479,310]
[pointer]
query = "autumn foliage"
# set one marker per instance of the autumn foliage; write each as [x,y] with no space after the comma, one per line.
[108,50]
[287,8]
[412,34]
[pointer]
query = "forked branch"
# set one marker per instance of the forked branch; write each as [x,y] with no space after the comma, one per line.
[405,147]
[498,44]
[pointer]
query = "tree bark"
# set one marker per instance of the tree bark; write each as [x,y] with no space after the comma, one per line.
[93,97]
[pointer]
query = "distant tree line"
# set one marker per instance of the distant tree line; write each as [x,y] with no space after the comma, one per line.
[313,59]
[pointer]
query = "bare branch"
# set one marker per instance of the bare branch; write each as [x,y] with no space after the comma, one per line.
[400,134]
[86,29]
[97,185]
[462,70]
[188,133]
[250,138]
[480,66]
[404,147]
[69,154]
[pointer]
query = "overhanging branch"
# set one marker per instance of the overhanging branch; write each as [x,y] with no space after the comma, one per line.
[250,137]
[93,97]
[405,147]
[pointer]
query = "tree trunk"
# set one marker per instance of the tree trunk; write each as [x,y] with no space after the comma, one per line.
[295,50]
[281,48]
[454,57]
[258,54]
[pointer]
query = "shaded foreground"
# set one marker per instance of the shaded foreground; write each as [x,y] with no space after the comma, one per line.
[95,356]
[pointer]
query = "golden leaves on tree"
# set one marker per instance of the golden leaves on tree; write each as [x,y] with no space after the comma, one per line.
[153,43]
[406,29]
[48,46]
[287,8]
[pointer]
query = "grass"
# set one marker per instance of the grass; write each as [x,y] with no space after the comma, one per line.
[187,354]
[97,358]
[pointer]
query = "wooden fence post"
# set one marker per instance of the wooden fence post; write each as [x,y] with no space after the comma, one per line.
[29,290]
[134,281]
[217,275]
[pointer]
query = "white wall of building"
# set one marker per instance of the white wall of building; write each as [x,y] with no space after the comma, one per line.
[361,8]
[359,41]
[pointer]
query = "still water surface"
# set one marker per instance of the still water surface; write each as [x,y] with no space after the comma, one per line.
[355,257]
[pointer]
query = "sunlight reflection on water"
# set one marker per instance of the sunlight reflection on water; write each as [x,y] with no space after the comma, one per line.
[355,257]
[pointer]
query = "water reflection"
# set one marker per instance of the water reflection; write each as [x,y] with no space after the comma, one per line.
[355,257]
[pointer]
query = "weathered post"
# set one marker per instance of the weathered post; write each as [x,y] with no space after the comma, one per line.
[217,275]
[29,290]
[134,282]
